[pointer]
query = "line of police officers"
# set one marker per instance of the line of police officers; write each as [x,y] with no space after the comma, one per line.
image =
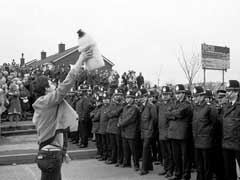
[188,129]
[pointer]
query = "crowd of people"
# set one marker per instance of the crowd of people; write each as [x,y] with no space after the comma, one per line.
[179,128]
[176,127]
[16,96]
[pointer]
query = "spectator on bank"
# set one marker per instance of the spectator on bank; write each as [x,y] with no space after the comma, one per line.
[14,109]
[140,80]
[2,102]
[24,100]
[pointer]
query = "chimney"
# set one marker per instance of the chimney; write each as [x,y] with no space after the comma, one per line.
[22,60]
[61,48]
[43,55]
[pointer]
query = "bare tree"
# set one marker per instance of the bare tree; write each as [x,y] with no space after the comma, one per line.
[190,66]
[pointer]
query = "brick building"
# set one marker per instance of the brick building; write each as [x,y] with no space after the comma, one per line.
[64,56]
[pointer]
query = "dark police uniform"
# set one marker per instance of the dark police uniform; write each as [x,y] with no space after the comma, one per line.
[179,132]
[165,143]
[95,129]
[148,116]
[128,123]
[231,139]
[113,130]
[203,127]
[83,108]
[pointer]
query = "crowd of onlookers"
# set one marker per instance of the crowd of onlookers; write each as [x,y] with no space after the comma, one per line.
[16,95]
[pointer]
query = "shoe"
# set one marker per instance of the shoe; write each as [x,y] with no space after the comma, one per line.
[117,165]
[142,172]
[110,162]
[75,142]
[83,146]
[151,168]
[136,168]
[174,178]
[161,173]
[102,159]
[98,156]
[125,166]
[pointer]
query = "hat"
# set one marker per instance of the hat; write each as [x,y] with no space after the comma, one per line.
[144,92]
[118,92]
[221,93]
[233,85]
[198,90]
[138,94]
[208,93]
[99,98]
[151,93]
[105,95]
[166,90]
[130,94]
[188,93]
[179,88]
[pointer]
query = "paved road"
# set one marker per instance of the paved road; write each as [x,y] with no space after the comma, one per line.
[78,170]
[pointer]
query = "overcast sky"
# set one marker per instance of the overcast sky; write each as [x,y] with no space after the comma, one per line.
[143,35]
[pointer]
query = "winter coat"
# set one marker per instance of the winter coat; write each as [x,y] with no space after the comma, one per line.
[204,125]
[96,119]
[2,102]
[163,123]
[104,119]
[113,115]
[231,127]
[14,103]
[148,116]
[83,108]
[24,99]
[180,118]
[128,121]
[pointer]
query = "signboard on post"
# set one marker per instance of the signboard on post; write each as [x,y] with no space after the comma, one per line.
[215,57]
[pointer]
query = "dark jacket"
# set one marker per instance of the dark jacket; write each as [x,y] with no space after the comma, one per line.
[231,127]
[128,121]
[83,108]
[104,119]
[148,117]
[163,123]
[180,118]
[203,125]
[114,112]
[96,119]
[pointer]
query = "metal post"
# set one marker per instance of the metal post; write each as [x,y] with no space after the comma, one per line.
[204,77]
[223,76]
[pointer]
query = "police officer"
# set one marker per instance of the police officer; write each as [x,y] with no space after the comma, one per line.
[84,107]
[95,114]
[180,117]
[231,131]
[148,117]
[155,144]
[128,125]
[218,163]
[113,130]
[166,147]
[103,127]
[203,127]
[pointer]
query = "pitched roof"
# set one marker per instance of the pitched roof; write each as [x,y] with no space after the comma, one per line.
[30,62]
[54,58]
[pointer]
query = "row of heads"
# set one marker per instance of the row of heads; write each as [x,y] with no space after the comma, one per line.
[233,85]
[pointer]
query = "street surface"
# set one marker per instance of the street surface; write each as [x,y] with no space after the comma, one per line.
[79,170]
